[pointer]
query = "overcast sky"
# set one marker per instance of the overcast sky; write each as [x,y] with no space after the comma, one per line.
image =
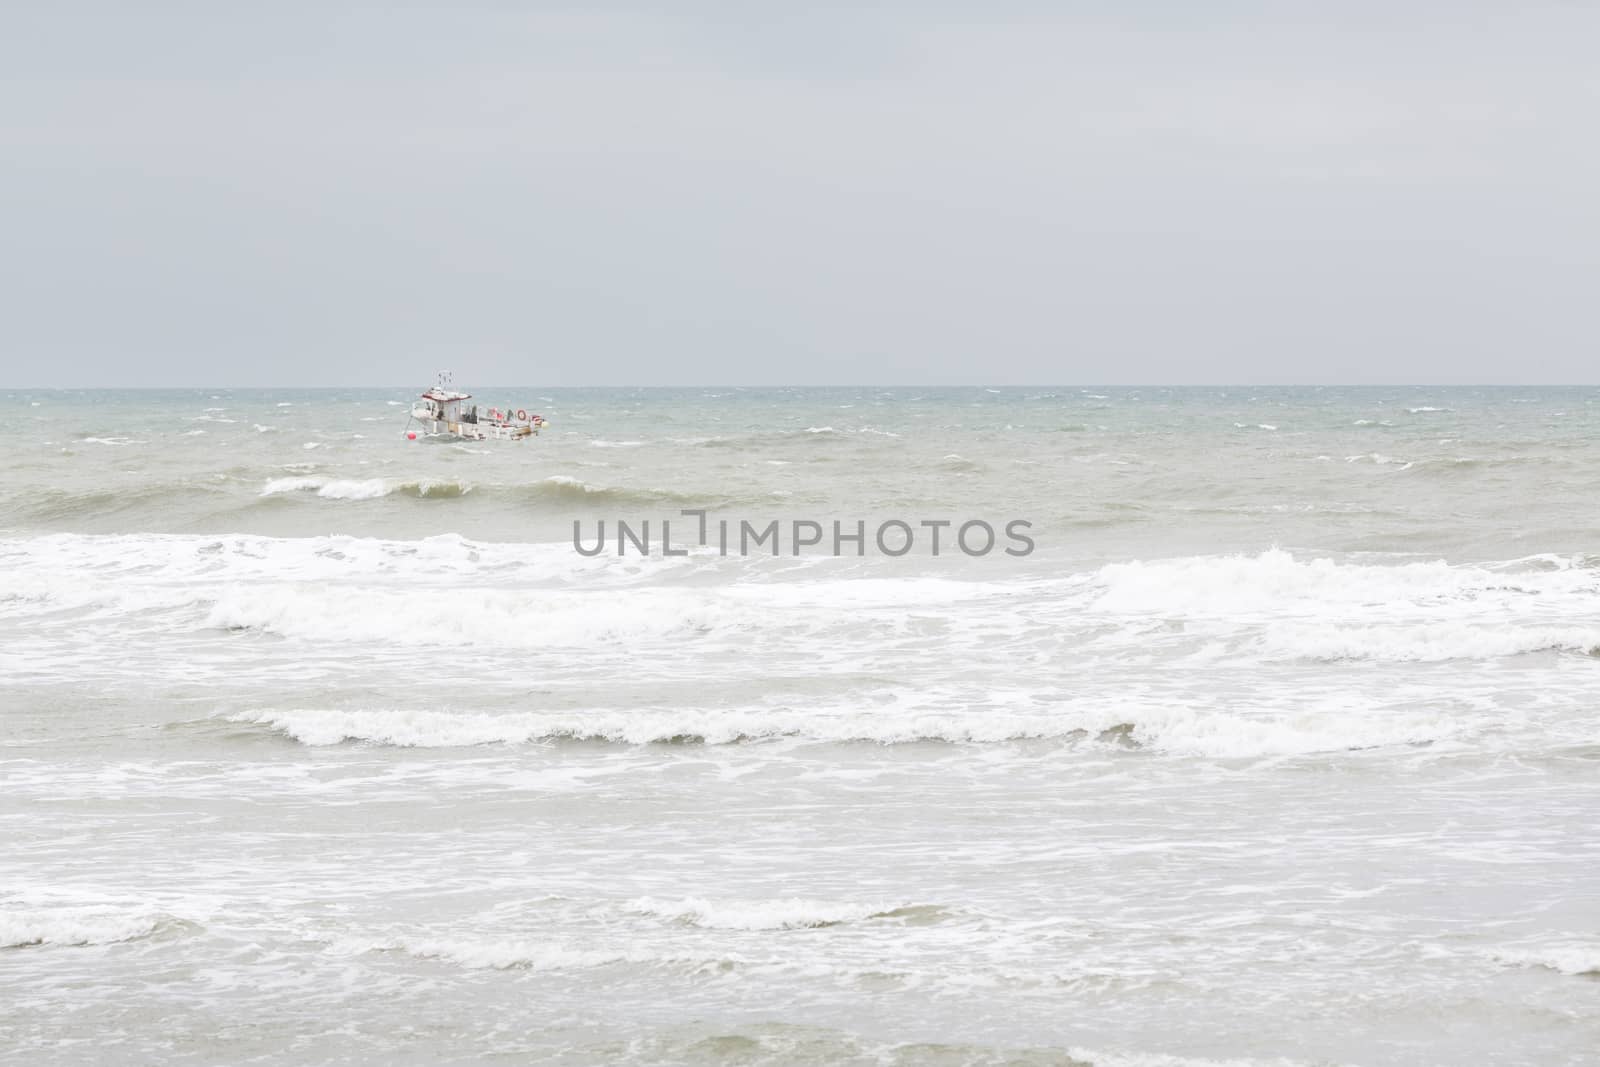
[741,193]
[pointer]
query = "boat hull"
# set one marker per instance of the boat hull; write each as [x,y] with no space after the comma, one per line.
[477,431]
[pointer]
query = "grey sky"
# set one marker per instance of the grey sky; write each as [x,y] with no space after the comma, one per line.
[570,194]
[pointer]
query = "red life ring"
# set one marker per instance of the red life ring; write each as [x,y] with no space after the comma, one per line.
[522,415]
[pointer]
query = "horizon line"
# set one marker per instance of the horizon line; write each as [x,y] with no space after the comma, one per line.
[876,385]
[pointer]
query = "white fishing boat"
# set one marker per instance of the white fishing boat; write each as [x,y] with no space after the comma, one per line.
[443,412]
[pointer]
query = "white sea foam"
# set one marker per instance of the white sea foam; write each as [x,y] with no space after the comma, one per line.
[490,618]
[1171,730]
[786,914]
[512,618]
[337,489]
[362,489]
[75,926]
[1204,790]
[1246,609]
[1127,1058]
[1276,580]
[1568,957]
[499,953]
[186,564]
[1429,641]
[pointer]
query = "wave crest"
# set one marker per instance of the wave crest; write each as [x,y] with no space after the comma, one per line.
[1565,957]
[365,489]
[21,928]
[504,954]
[1168,731]
[789,914]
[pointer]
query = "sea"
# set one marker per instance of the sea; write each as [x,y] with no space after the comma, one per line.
[1262,726]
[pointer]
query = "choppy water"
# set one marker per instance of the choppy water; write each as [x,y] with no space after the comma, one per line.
[318,745]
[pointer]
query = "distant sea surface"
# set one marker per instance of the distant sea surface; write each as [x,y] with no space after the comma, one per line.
[1281,746]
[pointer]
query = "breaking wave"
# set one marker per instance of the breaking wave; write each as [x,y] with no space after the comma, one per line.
[791,914]
[1171,731]
[1565,957]
[78,926]
[556,489]
[365,489]
[563,488]
[450,592]
[505,954]
[165,502]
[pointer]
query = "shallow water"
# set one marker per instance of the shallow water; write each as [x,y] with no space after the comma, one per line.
[322,746]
